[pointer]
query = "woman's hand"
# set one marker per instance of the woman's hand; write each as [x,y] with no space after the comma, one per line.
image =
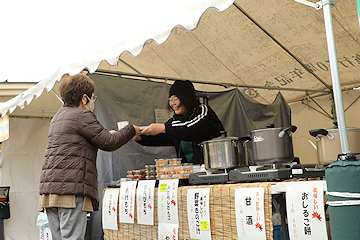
[154,129]
[136,137]
[112,131]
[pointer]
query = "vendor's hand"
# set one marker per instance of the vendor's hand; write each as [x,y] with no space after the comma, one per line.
[154,129]
[112,131]
[136,137]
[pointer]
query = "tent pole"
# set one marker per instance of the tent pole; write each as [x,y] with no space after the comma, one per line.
[344,143]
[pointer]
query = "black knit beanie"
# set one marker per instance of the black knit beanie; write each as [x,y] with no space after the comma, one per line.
[183,88]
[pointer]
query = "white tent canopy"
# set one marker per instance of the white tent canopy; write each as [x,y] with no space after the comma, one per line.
[43,40]
[279,44]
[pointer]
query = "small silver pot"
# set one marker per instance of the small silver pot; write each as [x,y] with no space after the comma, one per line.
[224,153]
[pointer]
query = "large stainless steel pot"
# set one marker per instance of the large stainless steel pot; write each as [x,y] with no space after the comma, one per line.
[224,152]
[272,145]
[328,143]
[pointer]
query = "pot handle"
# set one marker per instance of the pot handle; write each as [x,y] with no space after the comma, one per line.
[223,134]
[290,129]
[347,156]
[245,139]
[316,132]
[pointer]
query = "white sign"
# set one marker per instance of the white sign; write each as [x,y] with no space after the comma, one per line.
[249,211]
[167,201]
[122,124]
[127,202]
[145,202]
[162,115]
[305,210]
[168,231]
[198,200]
[4,128]
[109,209]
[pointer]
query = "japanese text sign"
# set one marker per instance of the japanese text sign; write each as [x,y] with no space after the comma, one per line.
[127,202]
[198,200]
[167,201]
[109,209]
[305,210]
[249,211]
[145,202]
[168,231]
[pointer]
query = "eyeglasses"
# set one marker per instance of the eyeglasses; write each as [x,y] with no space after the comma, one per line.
[173,100]
[94,99]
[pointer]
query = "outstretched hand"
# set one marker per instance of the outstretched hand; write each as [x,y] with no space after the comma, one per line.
[154,129]
[136,137]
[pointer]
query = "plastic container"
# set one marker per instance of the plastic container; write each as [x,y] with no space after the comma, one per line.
[131,177]
[150,167]
[161,162]
[150,173]
[149,177]
[139,172]
[164,176]
[130,173]
[175,161]
[140,176]
[180,176]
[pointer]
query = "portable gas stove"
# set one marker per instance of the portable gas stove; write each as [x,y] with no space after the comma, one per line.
[217,176]
[261,173]
[271,172]
[299,171]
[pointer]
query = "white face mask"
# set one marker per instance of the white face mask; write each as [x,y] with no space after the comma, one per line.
[92,104]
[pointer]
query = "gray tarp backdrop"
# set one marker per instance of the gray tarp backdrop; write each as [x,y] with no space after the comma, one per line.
[122,99]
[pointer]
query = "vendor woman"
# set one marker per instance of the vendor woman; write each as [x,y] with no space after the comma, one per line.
[191,124]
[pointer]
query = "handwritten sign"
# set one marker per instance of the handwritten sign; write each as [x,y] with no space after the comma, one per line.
[127,202]
[167,201]
[145,202]
[249,211]
[198,213]
[168,231]
[162,115]
[110,209]
[305,210]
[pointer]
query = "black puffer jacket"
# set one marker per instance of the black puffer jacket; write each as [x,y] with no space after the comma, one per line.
[69,166]
[198,124]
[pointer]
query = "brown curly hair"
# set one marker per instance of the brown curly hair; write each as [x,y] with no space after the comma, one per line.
[74,87]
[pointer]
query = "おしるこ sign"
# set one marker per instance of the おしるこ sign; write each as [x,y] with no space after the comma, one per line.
[249,211]
[305,210]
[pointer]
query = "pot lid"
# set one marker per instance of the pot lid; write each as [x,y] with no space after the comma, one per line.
[267,129]
[221,139]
